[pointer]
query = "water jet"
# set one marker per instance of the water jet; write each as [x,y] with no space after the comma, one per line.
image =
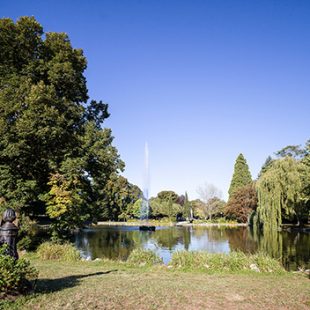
[145,208]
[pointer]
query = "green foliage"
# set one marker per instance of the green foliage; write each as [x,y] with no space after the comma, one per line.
[15,274]
[281,193]
[136,209]
[265,166]
[61,252]
[232,262]
[214,208]
[242,203]
[120,198]
[26,233]
[295,151]
[140,257]
[55,156]
[188,213]
[167,204]
[167,195]
[198,209]
[162,208]
[306,161]
[241,175]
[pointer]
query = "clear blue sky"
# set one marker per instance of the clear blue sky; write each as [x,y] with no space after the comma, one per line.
[200,81]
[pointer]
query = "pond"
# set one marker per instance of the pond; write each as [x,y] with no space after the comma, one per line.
[117,242]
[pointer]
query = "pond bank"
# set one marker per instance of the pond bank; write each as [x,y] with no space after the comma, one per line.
[170,224]
[290,227]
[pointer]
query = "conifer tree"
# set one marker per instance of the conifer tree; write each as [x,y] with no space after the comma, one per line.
[241,176]
[187,208]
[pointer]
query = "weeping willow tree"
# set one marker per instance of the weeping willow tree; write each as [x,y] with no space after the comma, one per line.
[281,193]
[270,242]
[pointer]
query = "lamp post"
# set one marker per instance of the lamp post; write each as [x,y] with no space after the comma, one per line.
[8,232]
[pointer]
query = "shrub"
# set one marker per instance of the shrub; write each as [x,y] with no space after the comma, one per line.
[62,252]
[218,262]
[143,258]
[15,275]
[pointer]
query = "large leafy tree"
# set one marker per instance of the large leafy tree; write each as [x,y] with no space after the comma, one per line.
[167,204]
[120,198]
[283,193]
[51,138]
[167,195]
[161,208]
[241,175]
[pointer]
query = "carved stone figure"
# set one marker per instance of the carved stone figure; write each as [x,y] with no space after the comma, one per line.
[8,232]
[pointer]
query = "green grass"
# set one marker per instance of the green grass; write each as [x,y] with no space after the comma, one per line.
[63,252]
[139,257]
[117,285]
[106,284]
[232,262]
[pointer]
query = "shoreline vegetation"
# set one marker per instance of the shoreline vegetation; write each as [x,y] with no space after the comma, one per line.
[166,223]
[284,227]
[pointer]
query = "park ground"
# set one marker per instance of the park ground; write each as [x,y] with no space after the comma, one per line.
[115,285]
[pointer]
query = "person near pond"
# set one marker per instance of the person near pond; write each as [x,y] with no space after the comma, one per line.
[8,232]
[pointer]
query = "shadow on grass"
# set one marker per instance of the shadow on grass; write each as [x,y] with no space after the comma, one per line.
[43,286]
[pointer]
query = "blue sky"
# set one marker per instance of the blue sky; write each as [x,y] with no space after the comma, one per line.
[199,81]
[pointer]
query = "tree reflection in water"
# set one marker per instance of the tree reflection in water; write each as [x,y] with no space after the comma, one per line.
[117,242]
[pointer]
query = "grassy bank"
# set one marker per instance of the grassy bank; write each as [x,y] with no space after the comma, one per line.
[115,285]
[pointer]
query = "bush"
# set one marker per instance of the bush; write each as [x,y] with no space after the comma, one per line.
[143,258]
[232,262]
[15,275]
[62,252]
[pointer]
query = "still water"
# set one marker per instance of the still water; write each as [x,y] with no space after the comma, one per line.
[116,242]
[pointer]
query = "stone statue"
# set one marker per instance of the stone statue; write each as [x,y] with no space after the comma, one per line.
[8,232]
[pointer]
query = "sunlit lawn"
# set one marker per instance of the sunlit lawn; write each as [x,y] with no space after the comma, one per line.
[108,285]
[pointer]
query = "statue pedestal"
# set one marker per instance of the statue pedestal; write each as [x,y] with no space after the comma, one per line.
[8,232]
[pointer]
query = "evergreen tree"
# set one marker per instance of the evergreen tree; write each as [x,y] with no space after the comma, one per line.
[241,175]
[188,213]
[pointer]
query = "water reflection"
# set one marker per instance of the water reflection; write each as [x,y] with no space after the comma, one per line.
[117,242]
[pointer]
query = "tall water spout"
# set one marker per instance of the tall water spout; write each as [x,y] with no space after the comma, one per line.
[144,212]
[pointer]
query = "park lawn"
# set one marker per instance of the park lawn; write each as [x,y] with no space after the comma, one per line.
[114,285]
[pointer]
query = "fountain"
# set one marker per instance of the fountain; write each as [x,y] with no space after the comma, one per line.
[145,209]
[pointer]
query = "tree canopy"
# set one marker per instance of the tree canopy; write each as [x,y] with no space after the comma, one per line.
[54,155]
[282,193]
